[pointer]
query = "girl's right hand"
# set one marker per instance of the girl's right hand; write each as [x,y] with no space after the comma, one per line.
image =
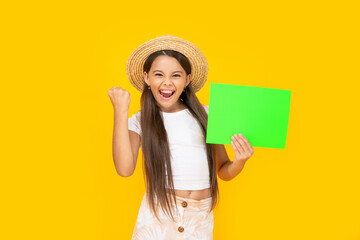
[120,99]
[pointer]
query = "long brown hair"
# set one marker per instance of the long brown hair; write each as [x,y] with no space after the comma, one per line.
[155,146]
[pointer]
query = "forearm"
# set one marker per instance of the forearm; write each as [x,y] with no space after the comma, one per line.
[122,154]
[230,170]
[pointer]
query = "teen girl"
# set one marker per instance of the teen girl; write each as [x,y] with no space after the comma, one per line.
[180,168]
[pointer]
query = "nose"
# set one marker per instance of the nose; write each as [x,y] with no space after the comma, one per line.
[167,81]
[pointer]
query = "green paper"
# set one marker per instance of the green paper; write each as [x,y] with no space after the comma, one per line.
[260,114]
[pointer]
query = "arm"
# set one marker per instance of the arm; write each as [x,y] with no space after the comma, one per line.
[243,151]
[125,145]
[226,169]
[230,170]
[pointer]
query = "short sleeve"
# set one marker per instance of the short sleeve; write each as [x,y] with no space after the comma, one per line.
[206,108]
[134,123]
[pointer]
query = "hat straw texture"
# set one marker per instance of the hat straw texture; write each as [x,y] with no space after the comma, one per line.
[198,62]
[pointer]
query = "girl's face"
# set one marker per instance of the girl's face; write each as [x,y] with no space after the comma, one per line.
[167,80]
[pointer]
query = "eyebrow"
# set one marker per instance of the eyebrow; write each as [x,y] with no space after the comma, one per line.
[162,71]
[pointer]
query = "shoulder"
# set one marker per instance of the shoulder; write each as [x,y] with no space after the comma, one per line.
[206,107]
[134,123]
[136,116]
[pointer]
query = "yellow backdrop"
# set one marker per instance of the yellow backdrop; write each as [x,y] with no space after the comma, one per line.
[59,59]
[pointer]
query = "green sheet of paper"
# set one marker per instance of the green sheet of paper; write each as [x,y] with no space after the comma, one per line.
[260,114]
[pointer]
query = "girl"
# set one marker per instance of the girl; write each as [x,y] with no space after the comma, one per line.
[180,168]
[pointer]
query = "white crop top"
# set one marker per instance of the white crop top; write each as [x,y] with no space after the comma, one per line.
[187,145]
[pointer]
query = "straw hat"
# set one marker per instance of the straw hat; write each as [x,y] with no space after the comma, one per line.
[135,63]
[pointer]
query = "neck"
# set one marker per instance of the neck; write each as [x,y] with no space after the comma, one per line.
[175,108]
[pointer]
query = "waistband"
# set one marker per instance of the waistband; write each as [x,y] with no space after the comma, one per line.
[193,204]
[202,204]
[194,201]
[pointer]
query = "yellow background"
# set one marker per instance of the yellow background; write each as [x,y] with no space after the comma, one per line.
[59,59]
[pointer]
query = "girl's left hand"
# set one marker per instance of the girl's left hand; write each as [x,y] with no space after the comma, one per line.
[242,148]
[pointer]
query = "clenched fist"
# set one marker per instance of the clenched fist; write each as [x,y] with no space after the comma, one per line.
[120,99]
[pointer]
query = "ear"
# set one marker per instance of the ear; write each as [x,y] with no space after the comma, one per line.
[188,80]
[146,78]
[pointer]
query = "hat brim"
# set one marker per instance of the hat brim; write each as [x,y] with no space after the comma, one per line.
[198,62]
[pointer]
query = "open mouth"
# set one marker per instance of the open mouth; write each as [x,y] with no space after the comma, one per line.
[166,95]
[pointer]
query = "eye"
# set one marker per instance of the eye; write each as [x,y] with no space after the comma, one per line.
[177,75]
[158,74]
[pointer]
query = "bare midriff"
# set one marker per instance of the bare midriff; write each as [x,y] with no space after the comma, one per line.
[194,194]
